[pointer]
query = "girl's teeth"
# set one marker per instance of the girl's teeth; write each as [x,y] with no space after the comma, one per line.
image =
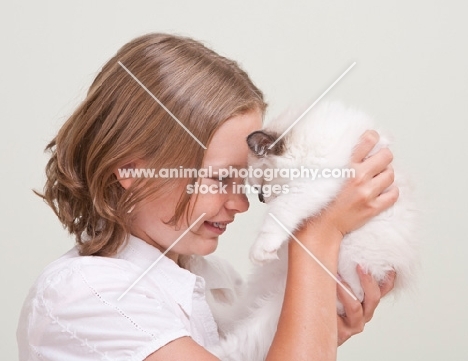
[219,225]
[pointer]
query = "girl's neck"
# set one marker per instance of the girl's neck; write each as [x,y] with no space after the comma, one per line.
[171,255]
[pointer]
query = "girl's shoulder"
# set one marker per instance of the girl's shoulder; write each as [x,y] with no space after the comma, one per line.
[75,306]
[76,275]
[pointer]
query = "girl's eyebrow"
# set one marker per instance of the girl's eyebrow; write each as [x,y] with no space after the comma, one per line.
[228,170]
[226,166]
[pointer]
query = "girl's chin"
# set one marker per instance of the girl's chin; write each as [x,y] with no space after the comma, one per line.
[206,246]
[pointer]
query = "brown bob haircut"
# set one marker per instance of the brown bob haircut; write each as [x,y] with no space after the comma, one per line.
[119,121]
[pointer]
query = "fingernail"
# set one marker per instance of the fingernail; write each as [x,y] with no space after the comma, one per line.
[363,271]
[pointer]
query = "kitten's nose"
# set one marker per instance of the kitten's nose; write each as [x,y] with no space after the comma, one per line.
[260,197]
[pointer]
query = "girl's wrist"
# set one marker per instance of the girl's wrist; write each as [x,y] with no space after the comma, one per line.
[319,237]
[322,232]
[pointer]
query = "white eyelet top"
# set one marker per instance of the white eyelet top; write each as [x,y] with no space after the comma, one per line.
[72,312]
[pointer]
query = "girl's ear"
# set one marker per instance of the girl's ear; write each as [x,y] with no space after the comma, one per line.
[126,174]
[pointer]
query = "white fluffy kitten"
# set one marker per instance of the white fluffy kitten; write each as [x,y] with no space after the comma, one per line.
[324,138]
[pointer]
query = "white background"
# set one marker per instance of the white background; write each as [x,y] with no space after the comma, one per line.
[411,75]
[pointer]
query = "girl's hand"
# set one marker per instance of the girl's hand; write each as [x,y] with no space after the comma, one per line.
[369,192]
[358,314]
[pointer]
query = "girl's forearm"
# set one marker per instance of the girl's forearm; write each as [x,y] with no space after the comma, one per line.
[307,328]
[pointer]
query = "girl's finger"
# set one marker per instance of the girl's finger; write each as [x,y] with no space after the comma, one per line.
[382,181]
[378,162]
[387,198]
[344,333]
[389,283]
[353,310]
[372,294]
[366,143]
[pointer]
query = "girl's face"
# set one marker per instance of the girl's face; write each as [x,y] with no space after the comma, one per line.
[220,204]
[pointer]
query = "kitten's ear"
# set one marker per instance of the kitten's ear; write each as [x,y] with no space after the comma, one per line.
[259,143]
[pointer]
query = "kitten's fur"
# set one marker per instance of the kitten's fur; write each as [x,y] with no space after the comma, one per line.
[324,138]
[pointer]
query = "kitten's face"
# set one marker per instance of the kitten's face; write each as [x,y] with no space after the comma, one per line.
[267,155]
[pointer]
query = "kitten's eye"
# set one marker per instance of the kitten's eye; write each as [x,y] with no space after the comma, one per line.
[261,198]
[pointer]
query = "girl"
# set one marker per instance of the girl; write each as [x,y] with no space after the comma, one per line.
[82,308]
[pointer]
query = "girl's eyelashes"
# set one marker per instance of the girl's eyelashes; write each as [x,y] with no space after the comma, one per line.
[238,180]
[221,179]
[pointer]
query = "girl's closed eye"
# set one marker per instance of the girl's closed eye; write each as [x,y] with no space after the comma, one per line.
[223,180]
[236,180]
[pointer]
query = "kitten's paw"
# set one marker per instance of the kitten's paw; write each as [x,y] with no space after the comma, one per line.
[260,256]
[265,249]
